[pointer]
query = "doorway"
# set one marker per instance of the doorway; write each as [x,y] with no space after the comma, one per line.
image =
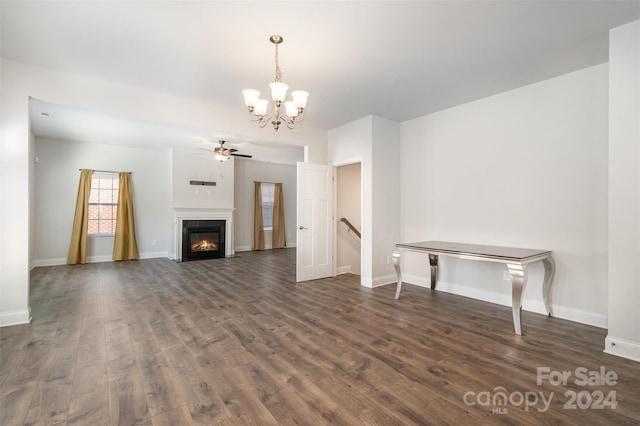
[349,219]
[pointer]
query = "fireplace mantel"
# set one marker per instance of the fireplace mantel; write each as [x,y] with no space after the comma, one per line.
[181,214]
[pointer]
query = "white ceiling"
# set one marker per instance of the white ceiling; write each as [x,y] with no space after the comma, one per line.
[75,124]
[394,59]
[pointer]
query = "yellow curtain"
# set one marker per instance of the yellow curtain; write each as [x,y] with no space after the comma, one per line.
[78,247]
[125,246]
[278,236]
[258,227]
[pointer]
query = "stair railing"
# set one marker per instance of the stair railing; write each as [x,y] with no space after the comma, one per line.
[351,228]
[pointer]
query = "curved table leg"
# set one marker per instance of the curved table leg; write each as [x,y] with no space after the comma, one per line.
[518,283]
[396,265]
[433,262]
[549,272]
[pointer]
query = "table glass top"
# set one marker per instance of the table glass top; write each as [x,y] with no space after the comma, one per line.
[461,249]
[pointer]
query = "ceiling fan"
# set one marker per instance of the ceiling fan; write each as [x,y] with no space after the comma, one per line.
[222,154]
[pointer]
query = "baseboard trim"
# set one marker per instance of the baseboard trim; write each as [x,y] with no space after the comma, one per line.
[504,299]
[49,262]
[154,255]
[343,270]
[97,259]
[622,348]
[267,247]
[10,318]
[583,317]
[366,282]
[384,280]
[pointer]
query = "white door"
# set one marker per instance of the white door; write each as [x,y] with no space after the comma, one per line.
[314,246]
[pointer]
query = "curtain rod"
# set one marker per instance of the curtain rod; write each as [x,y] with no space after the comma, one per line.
[106,171]
[261,181]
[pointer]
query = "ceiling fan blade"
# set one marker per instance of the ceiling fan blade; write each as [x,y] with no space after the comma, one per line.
[226,151]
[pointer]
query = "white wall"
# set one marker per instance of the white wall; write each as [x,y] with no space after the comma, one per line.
[348,144]
[19,81]
[348,200]
[15,200]
[368,141]
[246,173]
[386,198]
[191,164]
[624,192]
[525,168]
[56,187]
[32,200]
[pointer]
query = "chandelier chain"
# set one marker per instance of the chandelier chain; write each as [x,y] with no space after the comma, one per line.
[278,72]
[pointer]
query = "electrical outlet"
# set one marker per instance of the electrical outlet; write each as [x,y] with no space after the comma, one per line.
[506,276]
[153,243]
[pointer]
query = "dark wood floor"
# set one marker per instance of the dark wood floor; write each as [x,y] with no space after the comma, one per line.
[237,341]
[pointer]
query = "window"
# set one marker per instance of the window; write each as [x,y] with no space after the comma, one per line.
[267,205]
[103,203]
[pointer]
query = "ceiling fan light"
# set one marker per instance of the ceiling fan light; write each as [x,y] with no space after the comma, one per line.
[291,109]
[220,156]
[278,91]
[250,97]
[261,107]
[300,98]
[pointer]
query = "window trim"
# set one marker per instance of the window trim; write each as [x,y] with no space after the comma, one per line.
[98,235]
[262,187]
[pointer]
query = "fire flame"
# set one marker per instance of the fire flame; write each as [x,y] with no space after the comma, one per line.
[204,245]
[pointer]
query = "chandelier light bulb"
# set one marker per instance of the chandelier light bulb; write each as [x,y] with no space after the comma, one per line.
[278,91]
[261,107]
[300,98]
[291,109]
[250,97]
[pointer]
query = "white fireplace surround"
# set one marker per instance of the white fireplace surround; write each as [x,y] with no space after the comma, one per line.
[182,214]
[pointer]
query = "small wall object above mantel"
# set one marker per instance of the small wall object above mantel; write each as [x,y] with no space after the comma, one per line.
[201,183]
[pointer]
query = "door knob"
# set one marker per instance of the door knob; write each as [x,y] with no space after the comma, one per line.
[302,227]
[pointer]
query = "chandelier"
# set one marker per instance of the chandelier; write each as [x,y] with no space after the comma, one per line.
[293,109]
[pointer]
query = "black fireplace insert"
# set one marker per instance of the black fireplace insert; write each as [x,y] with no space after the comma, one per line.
[203,239]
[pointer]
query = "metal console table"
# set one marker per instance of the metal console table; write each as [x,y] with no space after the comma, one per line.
[516,260]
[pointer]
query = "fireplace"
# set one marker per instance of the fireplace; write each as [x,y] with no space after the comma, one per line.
[203,239]
[202,216]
